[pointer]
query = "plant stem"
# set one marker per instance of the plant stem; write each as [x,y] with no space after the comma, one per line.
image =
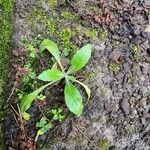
[36,138]
[61,67]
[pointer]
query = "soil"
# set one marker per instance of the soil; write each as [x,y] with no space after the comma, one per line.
[117,116]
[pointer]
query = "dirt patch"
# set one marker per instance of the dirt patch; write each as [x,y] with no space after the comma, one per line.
[118,114]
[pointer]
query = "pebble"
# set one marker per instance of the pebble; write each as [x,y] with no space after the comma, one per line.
[115,55]
[125,106]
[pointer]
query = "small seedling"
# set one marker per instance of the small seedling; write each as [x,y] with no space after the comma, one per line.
[57,114]
[41,97]
[72,95]
[43,126]
[32,51]
[30,73]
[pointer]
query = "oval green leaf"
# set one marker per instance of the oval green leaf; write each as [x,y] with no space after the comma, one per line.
[51,47]
[73,99]
[80,59]
[51,75]
[44,129]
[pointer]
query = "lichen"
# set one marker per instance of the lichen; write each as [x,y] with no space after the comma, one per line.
[115,67]
[102,34]
[6,8]
[135,53]
[104,144]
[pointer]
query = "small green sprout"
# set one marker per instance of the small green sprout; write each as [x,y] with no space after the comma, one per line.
[73,98]
[30,73]
[43,126]
[32,51]
[41,97]
[57,114]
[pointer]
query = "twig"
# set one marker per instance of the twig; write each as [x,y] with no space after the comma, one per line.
[43,114]
[14,110]
[11,94]
[85,136]
[42,63]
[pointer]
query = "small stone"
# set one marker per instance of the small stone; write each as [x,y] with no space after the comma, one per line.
[125,106]
[109,106]
[115,55]
[143,120]
[147,28]
[142,102]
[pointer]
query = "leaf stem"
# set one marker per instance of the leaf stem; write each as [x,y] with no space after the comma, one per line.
[61,67]
[36,138]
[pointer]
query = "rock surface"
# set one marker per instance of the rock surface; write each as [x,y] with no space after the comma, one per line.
[118,114]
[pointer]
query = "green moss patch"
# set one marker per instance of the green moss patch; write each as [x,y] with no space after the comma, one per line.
[6,7]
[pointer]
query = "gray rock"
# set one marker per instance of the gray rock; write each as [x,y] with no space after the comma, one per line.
[125,106]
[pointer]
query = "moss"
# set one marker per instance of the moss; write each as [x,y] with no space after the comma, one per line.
[91,33]
[65,35]
[104,144]
[102,34]
[52,3]
[68,15]
[6,7]
[35,17]
[135,53]
[114,67]
[51,27]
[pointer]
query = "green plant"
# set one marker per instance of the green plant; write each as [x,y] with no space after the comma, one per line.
[30,73]
[31,50]
[57,114]
[43,126]
[41,97]
[73,97]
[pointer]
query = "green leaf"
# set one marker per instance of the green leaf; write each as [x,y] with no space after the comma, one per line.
[51,47]
[51,75]
[88,91]
[54,111]
[73,99]
[27,100]
[71,78]
[44,129]
[56,117]
[26,116]
[80,59]
[32,75]
[60,110]
[42,122]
